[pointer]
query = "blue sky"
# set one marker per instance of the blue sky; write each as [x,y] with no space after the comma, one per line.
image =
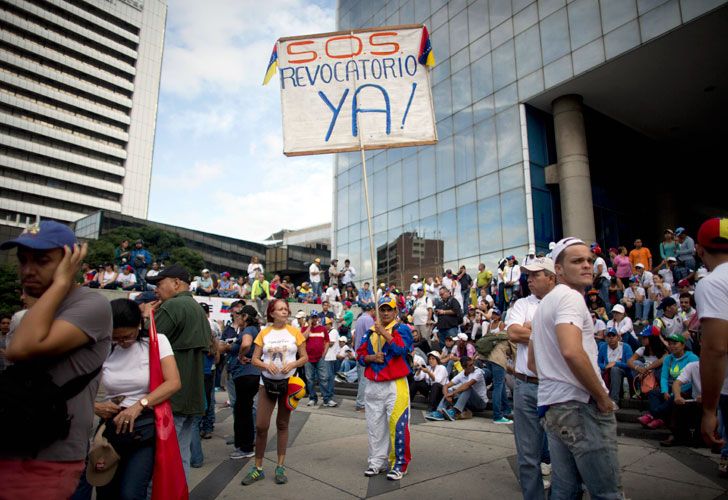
[218,161]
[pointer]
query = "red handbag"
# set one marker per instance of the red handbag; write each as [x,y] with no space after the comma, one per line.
[168,480]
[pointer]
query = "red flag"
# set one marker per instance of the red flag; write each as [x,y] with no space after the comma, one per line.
[168,480]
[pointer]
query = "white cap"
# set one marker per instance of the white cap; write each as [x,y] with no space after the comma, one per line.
[640,264]
[300,314]
[415,277]
[539,264]
[343,339]
[206,270]
[434,353]
[462,336]
[619,308]
[672,259]
[563,244]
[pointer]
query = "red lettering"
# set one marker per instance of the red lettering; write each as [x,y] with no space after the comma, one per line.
[344,56]
[289,50]
[394,45]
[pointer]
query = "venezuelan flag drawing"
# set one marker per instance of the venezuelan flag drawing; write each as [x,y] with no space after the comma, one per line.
[426,57]
[272,65]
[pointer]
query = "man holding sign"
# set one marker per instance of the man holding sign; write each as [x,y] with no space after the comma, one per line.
[383,352]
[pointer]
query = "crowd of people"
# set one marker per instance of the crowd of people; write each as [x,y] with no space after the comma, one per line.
[553,344]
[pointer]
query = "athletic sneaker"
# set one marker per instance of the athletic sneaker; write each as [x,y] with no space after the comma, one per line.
[434,415]
[311,402]
[373,471]
[545,469]
[450,414]
[255,474]
[280,477]
[656,423]
[502,420]
[395,474]
[331,404]
[646,419]
[238,454]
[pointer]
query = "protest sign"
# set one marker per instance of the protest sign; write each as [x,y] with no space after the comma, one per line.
[351,90]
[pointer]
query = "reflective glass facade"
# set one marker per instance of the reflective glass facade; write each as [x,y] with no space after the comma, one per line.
[480,188]
[79,82]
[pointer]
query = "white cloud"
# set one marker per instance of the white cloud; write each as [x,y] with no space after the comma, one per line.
[219,165]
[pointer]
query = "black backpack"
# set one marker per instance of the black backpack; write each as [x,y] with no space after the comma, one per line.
[33,410]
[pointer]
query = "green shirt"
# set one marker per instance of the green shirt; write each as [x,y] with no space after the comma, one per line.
[348,318]
[484,278]
[185,324]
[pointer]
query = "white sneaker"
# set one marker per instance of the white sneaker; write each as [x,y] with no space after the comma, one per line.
[373,471]
[546,484]
[545,469]
[311,402]
[331,404]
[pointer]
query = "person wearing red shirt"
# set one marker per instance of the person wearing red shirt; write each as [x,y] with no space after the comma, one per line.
[383,352]
[317,343]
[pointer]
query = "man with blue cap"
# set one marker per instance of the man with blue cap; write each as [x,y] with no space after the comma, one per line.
[68,330]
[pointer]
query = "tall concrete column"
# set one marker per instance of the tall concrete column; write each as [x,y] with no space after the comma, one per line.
[577,209]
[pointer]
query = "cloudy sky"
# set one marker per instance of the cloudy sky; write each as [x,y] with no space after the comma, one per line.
[218,161]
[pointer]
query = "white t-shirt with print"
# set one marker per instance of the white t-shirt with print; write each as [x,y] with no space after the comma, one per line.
[711,298]
[518,314]
[126,279]
[441,376]
[669,326]
[126,370]
[605,270]
[279,347]
[314,278]
[615,355]
[479,387]
[624,326]
[557,383]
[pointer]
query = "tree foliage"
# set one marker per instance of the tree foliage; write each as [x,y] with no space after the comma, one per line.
[9,289]
[165,246]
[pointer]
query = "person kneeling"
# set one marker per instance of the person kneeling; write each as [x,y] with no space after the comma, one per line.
[464,393]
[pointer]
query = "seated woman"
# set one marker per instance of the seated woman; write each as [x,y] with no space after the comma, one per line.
[661,399]
[127,411]
[436,377]
[648,358]
[226,287]
[596,304]
[496,325]
[127,279]
[624,326]
[107,279]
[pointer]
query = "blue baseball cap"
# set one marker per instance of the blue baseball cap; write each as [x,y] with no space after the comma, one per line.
[612,331]
[387,300]
[47,235]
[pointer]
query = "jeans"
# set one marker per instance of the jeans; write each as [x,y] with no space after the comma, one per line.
[316,288]
[529,439]
[467,399]
[348,364]
[132,477]
[604,294]
[262,306]
[643,309]
[362,386]
[659,408]
[321,370]
[246,388]
[583,446]
[443,333]
[196,455]
[185,427]
[208,420]
[501,406]
[616,376]
[331,368]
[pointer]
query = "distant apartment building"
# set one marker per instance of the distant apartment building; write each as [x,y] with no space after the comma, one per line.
[79,83]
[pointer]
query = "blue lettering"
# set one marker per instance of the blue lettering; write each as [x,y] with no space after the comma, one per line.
[407,60]
[376,69]
[388,63]
[312,80]
[351,67]
[409,103]
[336,72]
[287,72]
[356,110]
[323,78]
[334,110]
[299,76]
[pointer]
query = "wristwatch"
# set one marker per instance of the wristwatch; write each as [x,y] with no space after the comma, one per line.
[144,402]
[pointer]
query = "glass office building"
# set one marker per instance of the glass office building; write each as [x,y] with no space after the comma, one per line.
[554,118]
[79,82]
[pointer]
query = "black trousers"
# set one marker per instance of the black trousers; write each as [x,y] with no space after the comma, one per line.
[246,387]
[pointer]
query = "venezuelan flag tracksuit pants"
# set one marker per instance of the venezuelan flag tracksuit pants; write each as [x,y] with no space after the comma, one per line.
[387,413]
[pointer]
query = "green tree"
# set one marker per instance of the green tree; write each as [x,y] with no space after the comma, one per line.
[9,289]
[163,245]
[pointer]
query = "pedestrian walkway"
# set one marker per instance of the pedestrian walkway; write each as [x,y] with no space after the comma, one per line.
[465,459]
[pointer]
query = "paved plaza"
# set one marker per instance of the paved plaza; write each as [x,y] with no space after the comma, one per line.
[470,459]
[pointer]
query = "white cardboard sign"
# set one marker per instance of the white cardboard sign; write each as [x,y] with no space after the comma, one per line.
[341,91]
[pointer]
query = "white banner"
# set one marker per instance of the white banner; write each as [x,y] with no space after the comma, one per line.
[338,89]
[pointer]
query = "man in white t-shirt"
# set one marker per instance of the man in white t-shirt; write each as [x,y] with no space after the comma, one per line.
[578,414]
[314,276]
[348,273]
[527,426]
[601,276]
[416,283]
[711,297]
[331,355]
[467,390]
[422,313]
[333,297]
